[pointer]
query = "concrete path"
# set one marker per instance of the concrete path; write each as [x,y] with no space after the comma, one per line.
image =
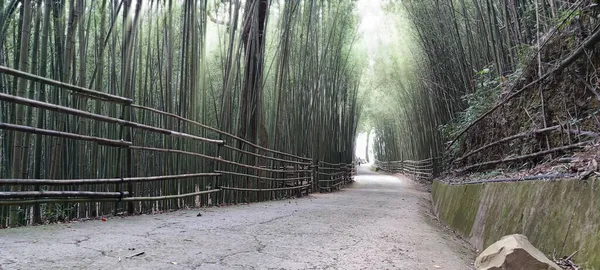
[381,222]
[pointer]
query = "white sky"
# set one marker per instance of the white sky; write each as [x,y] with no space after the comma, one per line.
[361,146]
[376,30]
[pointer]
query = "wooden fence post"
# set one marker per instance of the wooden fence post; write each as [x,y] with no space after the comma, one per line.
[315,175]
[129,161]
[219,196]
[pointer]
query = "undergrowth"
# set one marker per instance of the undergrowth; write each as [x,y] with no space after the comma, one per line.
[487,90]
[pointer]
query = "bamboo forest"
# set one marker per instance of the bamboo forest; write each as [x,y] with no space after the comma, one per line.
[353,123]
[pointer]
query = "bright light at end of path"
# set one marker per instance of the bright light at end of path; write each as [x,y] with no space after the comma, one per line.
[361,146]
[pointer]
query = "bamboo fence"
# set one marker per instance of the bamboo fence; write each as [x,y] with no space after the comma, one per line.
[418,169]
[239,171]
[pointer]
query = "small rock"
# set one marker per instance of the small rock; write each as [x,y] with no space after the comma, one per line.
[513,252]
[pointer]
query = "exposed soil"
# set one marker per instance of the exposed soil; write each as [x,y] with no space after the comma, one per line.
[381,222]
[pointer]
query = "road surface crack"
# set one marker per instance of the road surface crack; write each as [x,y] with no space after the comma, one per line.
[79,241]
[275,218]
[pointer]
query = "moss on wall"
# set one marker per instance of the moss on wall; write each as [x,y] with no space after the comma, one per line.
[562,215]
[459,205]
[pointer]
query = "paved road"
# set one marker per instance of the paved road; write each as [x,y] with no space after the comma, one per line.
[381,222]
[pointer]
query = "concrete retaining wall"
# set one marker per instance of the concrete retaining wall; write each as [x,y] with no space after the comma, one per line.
[562,215]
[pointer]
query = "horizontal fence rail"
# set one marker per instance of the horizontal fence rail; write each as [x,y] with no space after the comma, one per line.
[418,169]
[194,164]
[331,177]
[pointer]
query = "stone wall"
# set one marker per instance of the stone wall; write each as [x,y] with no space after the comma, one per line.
[561,215]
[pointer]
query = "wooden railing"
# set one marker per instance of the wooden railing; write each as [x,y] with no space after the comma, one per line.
[238,170]
[418,169]
[332,176]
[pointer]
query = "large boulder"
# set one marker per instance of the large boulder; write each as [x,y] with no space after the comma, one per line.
[513,252]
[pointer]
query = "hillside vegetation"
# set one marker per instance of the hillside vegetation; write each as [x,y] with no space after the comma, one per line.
[493,85]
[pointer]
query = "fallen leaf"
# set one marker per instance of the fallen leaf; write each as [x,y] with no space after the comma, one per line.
[103,219]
